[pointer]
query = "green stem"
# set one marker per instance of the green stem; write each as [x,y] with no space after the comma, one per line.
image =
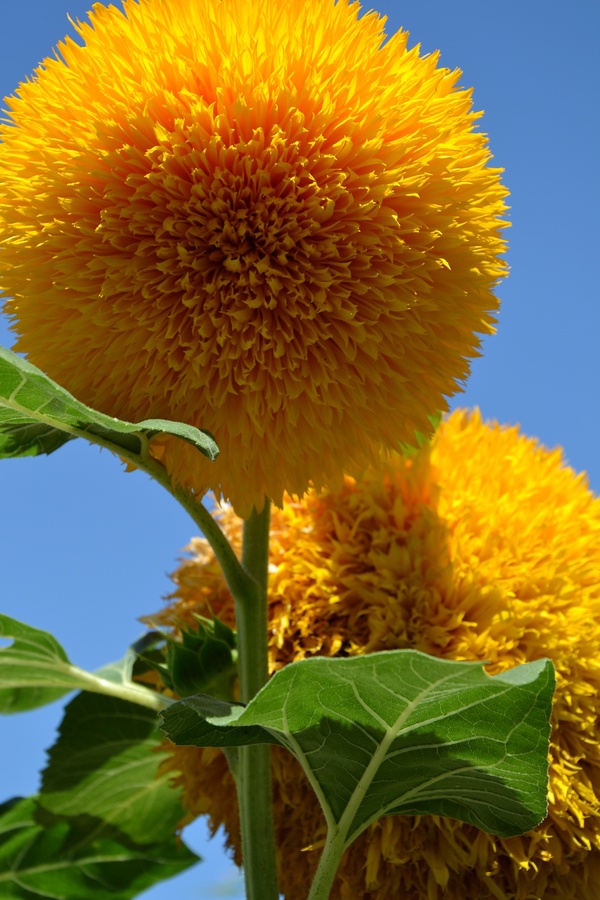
[254,765]
[251,606]
[328,866]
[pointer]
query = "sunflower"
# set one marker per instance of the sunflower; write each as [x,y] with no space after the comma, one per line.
[260,217]
[495,560]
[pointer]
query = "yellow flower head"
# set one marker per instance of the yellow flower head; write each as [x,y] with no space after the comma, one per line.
[256,217]
[486,547]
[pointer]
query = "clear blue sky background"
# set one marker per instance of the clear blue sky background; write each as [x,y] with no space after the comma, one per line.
[85,549]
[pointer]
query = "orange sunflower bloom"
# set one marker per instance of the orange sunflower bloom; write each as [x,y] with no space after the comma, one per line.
[257,217]
[495,560]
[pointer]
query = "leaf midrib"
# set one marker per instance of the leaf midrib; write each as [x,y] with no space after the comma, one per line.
[391,732]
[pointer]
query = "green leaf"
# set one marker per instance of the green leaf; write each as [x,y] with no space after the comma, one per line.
[44,858]
[105,764]
[38,416]
[35,670]
[398,732]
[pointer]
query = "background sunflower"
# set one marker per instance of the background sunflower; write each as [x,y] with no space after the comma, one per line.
[483,547]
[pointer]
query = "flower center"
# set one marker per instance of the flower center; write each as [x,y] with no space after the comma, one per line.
[237,248]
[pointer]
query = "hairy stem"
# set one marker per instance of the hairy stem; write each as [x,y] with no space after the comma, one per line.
[251,608]
[328,866]
[254,765]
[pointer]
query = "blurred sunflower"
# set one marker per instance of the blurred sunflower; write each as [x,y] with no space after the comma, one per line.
[256,216]
[497,559]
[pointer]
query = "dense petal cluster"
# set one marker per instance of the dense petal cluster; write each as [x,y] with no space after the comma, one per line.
[484,546]
[256,216]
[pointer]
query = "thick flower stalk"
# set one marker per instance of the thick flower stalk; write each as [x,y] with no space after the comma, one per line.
[255,216]
[484,546]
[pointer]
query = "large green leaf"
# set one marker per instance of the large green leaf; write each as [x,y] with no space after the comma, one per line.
[46,858]
[398,732]
[35,670]
[105,764]
[38,416]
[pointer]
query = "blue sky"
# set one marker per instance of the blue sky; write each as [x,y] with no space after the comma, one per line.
[85,549]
